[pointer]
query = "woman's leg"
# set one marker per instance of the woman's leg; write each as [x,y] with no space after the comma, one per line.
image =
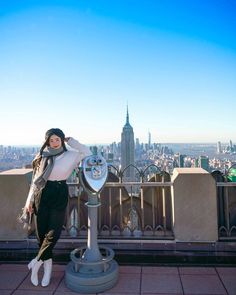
[56,203]
[55,225]
[41,223]
[41,226]
[49,222]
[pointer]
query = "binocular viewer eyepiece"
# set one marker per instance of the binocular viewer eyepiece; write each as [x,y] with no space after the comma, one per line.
[93,173]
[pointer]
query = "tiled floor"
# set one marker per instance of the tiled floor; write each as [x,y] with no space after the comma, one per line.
[15,279]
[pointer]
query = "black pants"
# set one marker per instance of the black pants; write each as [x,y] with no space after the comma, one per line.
[50,216]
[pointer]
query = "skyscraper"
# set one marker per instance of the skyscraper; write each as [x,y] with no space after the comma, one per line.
[127,149]
[181,160]
[204,162]
[149,139]
[219,149]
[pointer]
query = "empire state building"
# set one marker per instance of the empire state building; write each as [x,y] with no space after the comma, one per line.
[127,149]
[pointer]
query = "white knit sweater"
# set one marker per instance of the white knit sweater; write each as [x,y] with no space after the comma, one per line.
[64,164]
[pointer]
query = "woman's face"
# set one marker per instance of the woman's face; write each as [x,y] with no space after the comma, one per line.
[55,142]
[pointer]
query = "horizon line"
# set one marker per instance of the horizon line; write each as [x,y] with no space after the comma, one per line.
[93,144]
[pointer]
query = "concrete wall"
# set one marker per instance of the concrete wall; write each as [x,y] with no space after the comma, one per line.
[14,187]
[194,205]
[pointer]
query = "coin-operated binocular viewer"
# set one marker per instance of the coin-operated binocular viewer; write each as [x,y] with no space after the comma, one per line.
[92,271]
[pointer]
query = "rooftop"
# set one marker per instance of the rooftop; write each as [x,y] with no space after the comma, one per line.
[177,241]
[15,279]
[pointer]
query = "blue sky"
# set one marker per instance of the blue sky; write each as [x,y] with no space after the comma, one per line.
[76,64]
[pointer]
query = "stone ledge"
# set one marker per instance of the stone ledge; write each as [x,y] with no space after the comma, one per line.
[20,171]
[219,253]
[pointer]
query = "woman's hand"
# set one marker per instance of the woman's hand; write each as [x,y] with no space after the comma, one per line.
[29,207]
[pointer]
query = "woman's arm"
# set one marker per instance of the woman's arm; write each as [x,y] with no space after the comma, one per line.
[83,150]
[30,199]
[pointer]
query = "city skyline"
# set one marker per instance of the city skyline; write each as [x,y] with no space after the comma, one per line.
[76,64]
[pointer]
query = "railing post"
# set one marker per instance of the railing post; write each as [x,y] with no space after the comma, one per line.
[226,209]
[164,203]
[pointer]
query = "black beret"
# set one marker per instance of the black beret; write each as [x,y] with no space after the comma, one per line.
[55,131]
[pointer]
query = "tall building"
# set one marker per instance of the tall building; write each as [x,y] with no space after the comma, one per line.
[181,160]
[94,150]
[114,149]
[138,150]
[204,162]
[127,149]
[149,139]
[219,148]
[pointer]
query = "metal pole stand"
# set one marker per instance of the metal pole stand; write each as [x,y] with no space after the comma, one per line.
[92,270]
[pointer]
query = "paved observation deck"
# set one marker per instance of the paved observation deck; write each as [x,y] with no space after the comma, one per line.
[15,280]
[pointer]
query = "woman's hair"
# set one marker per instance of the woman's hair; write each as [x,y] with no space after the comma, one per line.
[36,162]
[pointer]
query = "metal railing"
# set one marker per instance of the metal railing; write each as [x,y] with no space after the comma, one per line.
[226,203]
[226,210]
[129,209]
[145,212]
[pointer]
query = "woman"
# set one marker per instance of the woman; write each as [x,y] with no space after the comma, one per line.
[48,195]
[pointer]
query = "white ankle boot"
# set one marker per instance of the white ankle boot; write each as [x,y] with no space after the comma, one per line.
[34,265]
[47,265]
